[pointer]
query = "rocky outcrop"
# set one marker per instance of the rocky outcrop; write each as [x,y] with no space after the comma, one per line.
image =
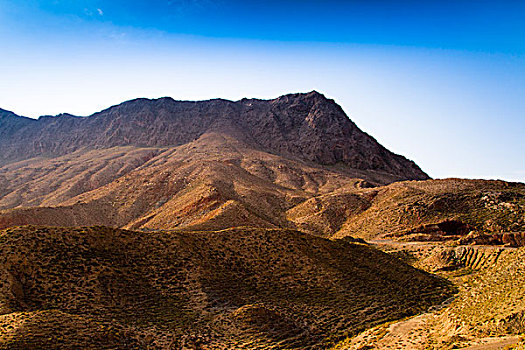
[442,231]
[511,239]
[305,126]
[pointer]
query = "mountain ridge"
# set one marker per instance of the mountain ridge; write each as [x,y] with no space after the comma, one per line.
[238,164]
[307,126]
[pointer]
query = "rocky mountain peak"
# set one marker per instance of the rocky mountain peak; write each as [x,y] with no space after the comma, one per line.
[4,113]
[306,126]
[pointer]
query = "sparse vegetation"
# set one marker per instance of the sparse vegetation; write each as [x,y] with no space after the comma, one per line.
[238,288]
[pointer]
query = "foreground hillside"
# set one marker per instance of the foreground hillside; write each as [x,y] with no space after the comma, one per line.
[487,313]
[238,288]
[491,302]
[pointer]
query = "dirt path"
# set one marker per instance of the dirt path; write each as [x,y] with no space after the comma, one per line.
[493,343]
[413,334]
[406,334]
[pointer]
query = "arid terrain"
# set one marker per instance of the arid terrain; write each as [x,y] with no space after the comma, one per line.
[238,288]
[250,224]
[486,313]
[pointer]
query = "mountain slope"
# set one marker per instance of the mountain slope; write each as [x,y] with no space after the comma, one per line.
[49,182]
[217,182]
[198,183]
[238,288]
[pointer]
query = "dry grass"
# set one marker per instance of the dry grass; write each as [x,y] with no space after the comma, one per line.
[487,310]
[238,288]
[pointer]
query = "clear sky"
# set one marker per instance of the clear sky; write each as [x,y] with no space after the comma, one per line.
[441,82]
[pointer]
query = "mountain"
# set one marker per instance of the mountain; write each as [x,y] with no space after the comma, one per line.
[308,127]
[217,225]
[242,288]
[165,164]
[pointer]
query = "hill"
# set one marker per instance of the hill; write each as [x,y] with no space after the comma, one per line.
[238,288]
[486,313]
[420,210]
[490,303]
[217,182]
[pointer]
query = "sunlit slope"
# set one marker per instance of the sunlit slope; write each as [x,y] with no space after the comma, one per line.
[214,182]
[217,182]
[491,303]
[412,207]
[51,181]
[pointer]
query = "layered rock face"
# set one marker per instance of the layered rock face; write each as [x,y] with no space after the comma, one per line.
[308,127]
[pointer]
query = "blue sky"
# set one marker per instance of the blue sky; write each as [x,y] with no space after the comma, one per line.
[441,82]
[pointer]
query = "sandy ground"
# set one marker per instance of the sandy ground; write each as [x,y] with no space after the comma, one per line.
[413,334]
[493,343]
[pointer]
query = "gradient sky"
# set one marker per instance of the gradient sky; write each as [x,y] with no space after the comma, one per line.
[441,82]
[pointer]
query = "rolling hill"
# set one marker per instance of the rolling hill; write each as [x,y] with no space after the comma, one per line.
[238,288]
